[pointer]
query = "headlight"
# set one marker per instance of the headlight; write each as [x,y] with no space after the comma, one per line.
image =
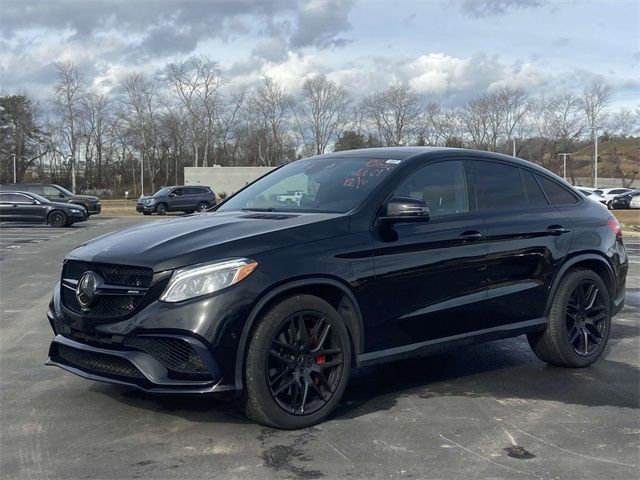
[73,210]
[207,278]
[148,201]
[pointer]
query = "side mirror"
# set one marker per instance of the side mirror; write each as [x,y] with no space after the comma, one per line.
[34,202]
[171,195]
[406,209]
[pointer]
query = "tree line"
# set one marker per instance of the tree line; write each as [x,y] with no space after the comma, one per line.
[149,128]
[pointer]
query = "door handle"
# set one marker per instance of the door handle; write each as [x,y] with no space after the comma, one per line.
[556,230]
[470,236]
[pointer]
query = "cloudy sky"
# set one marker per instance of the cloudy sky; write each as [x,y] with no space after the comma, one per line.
[448,51]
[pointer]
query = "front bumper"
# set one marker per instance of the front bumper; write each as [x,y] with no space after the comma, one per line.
[145,208]
[156,350]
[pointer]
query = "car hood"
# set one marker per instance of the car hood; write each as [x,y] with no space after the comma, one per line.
[167,244]
[145,197]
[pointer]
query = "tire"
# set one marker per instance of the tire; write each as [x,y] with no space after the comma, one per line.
[57,219]
[610,205]
[293,369]
[573,337]
[161,209]
[203,207]
[146,213]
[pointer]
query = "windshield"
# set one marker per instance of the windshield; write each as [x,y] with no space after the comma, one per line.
[39,198]
[333,185]
[162,191]
[64,190]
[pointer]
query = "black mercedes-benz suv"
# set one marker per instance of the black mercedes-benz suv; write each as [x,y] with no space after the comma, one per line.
[389,253]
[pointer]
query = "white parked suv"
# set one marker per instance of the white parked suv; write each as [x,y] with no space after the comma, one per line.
[609,193]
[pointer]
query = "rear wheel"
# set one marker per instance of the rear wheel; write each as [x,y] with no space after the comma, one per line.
[161,209]
[297,365]
[579,322]
[203,207]
[57,219]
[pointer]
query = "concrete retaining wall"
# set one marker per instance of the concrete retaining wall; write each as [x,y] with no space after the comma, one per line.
[223,179]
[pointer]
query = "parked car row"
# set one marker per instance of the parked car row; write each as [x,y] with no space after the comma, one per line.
[613,198]
[178,198]
[58,194]
[28,207]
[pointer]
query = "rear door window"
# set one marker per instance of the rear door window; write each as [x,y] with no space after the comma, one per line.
[499,186]
[556,193]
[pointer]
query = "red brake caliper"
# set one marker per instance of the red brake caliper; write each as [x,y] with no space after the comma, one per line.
[320,359]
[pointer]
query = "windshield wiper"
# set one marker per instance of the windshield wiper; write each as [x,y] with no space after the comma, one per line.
[270,209]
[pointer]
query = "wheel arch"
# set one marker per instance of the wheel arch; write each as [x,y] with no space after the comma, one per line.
[592,261]
[332,291]
[51,212]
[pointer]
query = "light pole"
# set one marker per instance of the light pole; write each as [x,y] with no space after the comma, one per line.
[142,175]
[595,160]
[564,164]
[14,168]
[514,147]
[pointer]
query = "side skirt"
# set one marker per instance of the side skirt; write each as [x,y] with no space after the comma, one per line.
[431,347]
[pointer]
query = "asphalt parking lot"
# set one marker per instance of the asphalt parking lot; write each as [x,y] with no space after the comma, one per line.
[486,411]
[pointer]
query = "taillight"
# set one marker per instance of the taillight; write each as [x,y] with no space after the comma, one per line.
[615,226]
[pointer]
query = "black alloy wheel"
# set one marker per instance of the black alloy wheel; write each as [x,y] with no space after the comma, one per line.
[305,363]
[57,219]
[586,318]
[579,321]
[203,207]
[298,363]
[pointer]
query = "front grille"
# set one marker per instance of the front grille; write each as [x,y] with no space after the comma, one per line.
[98,362]
[175,354]
[121,275]
[106,306]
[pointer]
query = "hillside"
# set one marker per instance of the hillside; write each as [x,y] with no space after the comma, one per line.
[616,158]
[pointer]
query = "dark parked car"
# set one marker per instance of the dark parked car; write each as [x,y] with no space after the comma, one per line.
[623,201]
[28,207]
[59,194]
[177,199]
[391,253]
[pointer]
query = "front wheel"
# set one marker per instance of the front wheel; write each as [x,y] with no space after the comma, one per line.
[579,322]
[298,364]
[57,219]
[161,209]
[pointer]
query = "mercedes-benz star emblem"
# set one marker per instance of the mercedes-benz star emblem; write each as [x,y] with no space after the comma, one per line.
[86,289]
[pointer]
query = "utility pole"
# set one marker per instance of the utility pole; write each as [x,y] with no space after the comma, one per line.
[564,164]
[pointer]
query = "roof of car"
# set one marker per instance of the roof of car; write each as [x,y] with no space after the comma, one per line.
[407,153]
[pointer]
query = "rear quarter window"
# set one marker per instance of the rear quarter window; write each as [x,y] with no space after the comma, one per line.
[556,193]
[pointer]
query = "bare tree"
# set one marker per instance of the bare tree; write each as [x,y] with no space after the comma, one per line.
[144,102]
[268,110]
[69,92]
[624,123]
[321,112]
[595,99]
[514,103]
[94,116]
[196,83]
[394,113]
